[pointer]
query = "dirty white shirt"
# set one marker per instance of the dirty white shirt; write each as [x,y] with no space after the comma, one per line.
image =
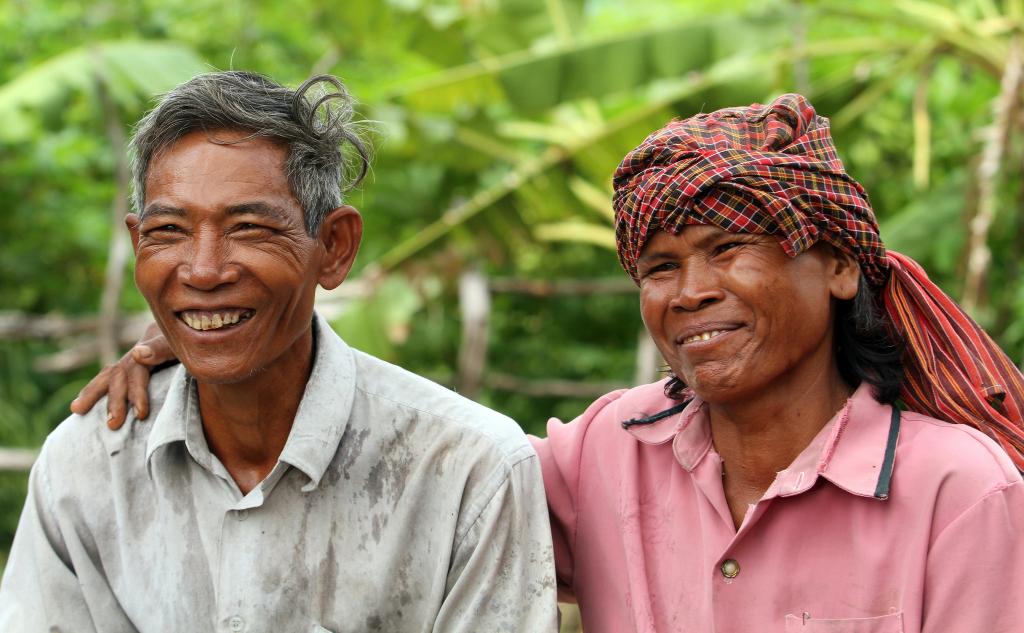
[395,506]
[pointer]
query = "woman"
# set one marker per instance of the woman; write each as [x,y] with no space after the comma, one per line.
[770,484]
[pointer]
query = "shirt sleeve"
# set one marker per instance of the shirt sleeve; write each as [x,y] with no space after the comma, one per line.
[501,578]
[561,456]
[40,590]
[975,568]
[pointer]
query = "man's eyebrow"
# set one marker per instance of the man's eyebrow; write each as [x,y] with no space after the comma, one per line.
[162,209]
[260,208]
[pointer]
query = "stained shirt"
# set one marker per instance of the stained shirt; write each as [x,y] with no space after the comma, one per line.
[395,506]
[644,539]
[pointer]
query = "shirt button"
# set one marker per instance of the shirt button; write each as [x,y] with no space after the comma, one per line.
[241,515]
[730,568]
[236,623]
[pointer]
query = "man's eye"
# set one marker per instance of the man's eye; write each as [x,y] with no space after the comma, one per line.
[163,229]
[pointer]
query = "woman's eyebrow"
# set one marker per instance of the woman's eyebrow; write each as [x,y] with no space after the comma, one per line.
[656,254]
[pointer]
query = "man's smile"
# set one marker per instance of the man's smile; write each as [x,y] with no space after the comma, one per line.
[214,319]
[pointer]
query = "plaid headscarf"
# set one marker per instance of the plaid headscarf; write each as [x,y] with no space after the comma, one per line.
[773,169]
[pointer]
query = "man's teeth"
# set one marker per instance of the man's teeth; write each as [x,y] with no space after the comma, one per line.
[703,336]
[214,322]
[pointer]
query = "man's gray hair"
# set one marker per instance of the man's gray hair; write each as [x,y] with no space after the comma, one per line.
[313,122]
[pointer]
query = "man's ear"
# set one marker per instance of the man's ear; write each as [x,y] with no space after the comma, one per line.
[340,235]
[845,275]
[132,222]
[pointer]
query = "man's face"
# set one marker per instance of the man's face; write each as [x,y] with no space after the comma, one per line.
[733,315]
[223,257]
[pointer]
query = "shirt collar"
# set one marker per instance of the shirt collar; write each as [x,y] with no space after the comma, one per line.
[688,430]
[319,423]
[849,451]
[171,421]
[325,408]
[854,455]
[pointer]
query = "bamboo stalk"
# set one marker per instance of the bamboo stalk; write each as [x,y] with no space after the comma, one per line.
[997,138]
[22,325]
[922,126]
[119,248]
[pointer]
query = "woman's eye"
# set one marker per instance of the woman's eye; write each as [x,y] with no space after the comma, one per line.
[660,268]
[727,246]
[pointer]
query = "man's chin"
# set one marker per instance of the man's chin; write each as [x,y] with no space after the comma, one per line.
[216,371]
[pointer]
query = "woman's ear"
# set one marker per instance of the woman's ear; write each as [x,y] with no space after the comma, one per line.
[340,235]
[845,274]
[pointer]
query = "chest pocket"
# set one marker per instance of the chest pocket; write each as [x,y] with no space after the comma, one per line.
[891,623]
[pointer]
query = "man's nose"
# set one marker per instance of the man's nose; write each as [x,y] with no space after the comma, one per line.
[208,265]
[698,286]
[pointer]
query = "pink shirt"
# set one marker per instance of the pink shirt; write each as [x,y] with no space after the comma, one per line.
[644,540]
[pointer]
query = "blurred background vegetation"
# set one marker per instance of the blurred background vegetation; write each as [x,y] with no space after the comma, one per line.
[497,125]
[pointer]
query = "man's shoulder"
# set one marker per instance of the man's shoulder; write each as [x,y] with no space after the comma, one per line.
[84,443]
[414,399]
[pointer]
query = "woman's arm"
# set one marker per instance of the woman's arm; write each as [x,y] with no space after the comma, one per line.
[125,381]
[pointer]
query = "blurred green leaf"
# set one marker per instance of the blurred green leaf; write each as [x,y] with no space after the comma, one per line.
[133,70]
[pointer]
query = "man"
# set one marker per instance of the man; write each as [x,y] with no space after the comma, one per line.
[286,482]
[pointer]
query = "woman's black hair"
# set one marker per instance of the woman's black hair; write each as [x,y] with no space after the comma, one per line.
[868,349]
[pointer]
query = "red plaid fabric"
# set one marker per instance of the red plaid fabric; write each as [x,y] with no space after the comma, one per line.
[764,169]
[954,371]
[773,169]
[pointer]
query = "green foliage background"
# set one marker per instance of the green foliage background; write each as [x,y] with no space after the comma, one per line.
[497,125]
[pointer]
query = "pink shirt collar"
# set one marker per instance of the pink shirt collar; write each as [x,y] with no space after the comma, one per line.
[849,451]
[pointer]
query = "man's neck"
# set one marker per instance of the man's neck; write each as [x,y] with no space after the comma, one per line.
[247,423]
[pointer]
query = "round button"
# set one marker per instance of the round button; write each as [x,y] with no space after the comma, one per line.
[236,623]
[242,515]
[730,568]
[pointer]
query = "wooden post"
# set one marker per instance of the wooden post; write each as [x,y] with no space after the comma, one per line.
[475,308]
[17,459]
[648,360]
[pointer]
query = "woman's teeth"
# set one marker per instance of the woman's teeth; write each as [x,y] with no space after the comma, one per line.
[703,336]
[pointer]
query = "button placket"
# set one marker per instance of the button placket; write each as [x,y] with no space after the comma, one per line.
[237,537]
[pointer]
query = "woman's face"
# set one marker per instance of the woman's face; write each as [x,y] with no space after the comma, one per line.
[733,315]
